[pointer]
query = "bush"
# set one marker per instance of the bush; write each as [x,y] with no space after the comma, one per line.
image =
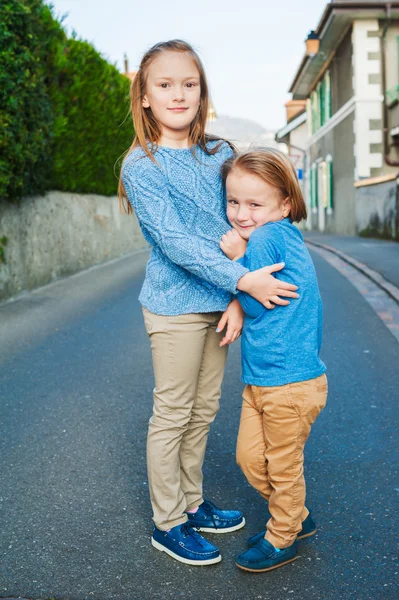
[27,33]
[62,107]
[90,100]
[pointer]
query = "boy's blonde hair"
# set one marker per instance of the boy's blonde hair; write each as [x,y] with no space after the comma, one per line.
[147,129]
[275,168]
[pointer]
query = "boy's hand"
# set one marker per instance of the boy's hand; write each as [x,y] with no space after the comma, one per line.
[233,245]
[233,317]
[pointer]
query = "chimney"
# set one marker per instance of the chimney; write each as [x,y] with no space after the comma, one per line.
[294,107]
[126,60]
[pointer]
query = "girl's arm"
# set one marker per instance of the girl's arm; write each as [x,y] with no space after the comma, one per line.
[260,285]
[235,248]
[266,246]
[147,191]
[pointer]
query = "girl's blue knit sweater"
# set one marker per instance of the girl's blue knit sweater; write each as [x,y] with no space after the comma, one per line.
[180,205]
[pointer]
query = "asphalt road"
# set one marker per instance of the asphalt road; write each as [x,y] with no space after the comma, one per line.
[75,398]
[380,255]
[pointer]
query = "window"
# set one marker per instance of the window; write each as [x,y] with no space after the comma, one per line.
[315,111]
[392,95]
[323,181]
[330,184]
[328,105]
[322,106]
[309,116]
[320,109]
[313,188]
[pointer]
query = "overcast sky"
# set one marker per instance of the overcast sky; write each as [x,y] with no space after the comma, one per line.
[250,48]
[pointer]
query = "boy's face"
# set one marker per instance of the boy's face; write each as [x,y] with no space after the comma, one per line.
[251,202]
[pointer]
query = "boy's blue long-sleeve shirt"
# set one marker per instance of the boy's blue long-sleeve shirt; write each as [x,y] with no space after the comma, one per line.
[179,202]
[282,345]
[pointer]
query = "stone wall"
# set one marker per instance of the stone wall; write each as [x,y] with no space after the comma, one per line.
[59,234]
[377,210]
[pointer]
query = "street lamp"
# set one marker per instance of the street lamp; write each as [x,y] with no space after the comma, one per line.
[312,44]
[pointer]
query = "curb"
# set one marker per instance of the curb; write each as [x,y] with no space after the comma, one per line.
[388,287]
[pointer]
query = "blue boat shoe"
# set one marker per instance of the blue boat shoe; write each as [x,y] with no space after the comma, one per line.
[308,528]
[186,545]
[265,557]
[211,519]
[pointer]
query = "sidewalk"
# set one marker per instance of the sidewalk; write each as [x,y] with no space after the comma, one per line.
[375,258]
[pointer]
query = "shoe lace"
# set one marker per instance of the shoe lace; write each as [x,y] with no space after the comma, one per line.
[209,509]
[188,529]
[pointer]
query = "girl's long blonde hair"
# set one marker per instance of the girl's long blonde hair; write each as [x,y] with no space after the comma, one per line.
[147,129]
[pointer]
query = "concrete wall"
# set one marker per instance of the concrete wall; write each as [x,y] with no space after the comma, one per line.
[342,219]
[392,81]
[377,210]
[337,142]
[59,234]
[392,55]
[367,89]
[342,74]
[298,139]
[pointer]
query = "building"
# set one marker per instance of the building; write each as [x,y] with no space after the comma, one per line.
[295,135]
[129,74]
[349,80]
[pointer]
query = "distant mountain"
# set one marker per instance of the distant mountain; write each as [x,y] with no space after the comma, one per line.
[243,132]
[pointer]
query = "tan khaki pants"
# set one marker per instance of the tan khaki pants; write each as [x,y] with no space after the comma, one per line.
[275,424]
[188,368]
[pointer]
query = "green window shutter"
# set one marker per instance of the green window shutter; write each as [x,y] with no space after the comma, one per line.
[315,111]
[322,109]
[312,107]
[318,98]
[328,110]
[309,116]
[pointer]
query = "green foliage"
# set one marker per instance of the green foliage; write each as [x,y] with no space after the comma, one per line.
[26,36]
[62,107]
[90,100]
[3,243]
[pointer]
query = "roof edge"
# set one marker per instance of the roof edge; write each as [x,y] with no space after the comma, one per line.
[331,6]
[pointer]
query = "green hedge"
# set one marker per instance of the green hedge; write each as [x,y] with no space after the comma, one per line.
[26,116]
[90,98]
[62,107]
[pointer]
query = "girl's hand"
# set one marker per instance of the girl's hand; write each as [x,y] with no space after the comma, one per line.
[265,288]
[233,317]
[233,245]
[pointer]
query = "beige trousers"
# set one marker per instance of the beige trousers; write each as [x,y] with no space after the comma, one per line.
[188,368]
[275,424]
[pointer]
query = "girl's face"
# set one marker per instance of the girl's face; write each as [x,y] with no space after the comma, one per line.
[173,92]
[251,202]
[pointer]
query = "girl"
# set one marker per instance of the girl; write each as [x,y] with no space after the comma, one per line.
[171,178]
[286,385]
